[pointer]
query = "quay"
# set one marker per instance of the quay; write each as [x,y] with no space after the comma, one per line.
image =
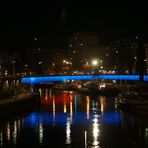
[22,102]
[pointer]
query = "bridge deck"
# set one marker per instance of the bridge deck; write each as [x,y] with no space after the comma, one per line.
[60,78]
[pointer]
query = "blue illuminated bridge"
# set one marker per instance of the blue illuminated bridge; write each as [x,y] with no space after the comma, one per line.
[60,78]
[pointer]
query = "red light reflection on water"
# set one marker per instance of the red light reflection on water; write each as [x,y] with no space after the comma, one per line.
[62,97]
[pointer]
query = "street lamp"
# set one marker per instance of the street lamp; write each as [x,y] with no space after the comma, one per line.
[95,62]
[13,68]
[94,65]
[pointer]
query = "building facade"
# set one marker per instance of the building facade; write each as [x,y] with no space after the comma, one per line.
[126,56]
[83,48]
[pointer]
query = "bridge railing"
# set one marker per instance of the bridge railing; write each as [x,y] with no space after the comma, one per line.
[60,78]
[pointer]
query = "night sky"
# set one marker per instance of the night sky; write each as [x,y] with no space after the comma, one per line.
[53,21]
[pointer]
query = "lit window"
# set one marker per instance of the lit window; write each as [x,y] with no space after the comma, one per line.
[106,54]
[145,60]
[39,62]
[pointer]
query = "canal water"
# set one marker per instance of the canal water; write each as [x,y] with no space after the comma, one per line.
[71,120]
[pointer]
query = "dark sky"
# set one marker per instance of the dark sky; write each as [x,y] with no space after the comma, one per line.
[51,22]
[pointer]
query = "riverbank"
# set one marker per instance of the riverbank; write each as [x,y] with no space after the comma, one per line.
[22,102]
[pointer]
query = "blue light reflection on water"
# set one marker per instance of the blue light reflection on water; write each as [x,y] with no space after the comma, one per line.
[60,118]
[75,103]
[111,117]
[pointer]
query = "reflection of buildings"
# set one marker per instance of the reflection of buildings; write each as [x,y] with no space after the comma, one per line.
[95,131]
[137,129]
[10,132]
[68,131]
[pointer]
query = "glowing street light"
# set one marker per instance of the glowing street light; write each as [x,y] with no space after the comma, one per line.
[95,62]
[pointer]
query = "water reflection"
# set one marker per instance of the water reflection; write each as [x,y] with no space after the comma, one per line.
[40,130]
[71,109]
[65,109]
[102,102]
[75,103]
[54,112]
[146,135]
[15,132]
[95,131]
[87,106]
[8,132]
[64,117]
[68,131]
[1,138]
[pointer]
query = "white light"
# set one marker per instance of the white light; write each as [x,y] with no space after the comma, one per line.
[40,130]
[67,62]
[68,131]
[94,62]
[95,131]
[39,62]
[137,37]
[145,60]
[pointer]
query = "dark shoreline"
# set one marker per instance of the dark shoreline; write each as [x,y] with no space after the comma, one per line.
[21,103]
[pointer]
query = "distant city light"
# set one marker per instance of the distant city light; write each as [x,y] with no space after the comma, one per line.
[39,62]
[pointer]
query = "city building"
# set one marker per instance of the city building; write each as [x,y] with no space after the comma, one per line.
[47,61]
[123,56]
[83,48]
